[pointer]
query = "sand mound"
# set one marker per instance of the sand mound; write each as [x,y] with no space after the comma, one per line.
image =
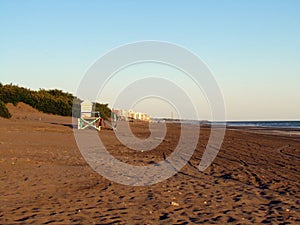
[25,112]
[21,107]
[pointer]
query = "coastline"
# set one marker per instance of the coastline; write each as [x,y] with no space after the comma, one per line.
[44,178]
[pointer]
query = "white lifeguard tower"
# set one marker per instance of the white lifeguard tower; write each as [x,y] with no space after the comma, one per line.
[89,117]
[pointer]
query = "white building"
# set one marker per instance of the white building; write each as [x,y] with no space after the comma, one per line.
[124,114]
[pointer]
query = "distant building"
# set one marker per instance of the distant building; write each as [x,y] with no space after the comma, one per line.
[123,114]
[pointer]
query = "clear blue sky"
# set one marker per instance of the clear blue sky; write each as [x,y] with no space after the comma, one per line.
[252,47]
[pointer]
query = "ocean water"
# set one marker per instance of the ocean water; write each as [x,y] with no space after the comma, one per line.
[267,124]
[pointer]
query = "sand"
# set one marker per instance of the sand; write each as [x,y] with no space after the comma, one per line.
[45,180]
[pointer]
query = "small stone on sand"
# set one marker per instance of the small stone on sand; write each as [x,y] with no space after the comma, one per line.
[174,204]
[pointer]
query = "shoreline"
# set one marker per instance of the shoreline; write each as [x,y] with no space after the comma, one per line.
[44,178]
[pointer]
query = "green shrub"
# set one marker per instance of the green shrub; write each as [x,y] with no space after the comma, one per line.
[4,111]
[105,112]
[49,101]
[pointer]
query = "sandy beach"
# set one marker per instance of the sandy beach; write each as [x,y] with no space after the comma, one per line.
[45,180]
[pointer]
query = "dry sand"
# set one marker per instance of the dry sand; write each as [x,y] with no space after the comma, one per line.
[44,179]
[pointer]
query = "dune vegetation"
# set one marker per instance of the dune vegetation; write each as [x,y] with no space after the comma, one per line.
[54,101]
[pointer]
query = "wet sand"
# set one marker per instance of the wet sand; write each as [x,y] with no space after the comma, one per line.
[45,180]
